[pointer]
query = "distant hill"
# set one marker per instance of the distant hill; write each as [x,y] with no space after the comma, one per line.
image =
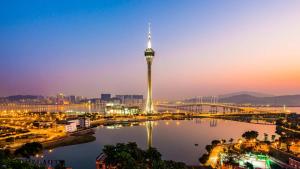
[256,94]
[288,100]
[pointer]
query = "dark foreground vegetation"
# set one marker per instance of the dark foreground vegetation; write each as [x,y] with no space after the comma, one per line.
[20,158]
[129,156]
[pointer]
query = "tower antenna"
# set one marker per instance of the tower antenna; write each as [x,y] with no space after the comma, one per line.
[149,35]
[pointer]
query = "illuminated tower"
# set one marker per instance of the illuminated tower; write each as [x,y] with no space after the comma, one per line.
[149,54]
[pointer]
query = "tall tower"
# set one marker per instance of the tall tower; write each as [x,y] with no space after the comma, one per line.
[149,54]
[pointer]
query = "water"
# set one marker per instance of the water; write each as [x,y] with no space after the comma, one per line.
[174,139]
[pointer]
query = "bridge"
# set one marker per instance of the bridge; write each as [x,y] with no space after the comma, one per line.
[213,108]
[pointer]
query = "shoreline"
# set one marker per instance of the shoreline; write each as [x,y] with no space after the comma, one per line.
[83,136]
[86,135]
[127,119]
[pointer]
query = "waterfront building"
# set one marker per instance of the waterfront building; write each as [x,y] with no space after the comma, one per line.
[100,162]
[71,127]
[149,54]
[84,122]
[74,120]
[118,109]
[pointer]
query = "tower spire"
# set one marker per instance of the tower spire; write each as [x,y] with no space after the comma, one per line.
[149,36]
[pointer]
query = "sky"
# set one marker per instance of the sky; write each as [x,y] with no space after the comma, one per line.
[203,47]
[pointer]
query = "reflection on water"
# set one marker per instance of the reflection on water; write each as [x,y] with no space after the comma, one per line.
[213,122]
[149,127]
[174,139]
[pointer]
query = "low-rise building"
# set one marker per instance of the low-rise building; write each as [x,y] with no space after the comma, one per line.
[71,127]
[112,109]
[100,162]
[76,121]
[84,122]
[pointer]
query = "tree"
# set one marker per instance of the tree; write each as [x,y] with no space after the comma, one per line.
[29,149]
[203,159]
[4,154]
[287,141]
[208,148]
[230,141]
[249,165]
[174,165]
[248,135]
[153,155]
[230,160]
[18,164]
[129,156]
[159,165]
[125,160]
[215,142]
[273,138]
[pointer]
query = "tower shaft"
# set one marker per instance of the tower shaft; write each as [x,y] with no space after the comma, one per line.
[149,103]
[149,54]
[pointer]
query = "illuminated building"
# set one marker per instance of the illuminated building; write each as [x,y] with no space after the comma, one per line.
[72,99]
[85,122]
[131,100]
[71,127]
[74,120]
[60,98]
[149,54]
[118,109]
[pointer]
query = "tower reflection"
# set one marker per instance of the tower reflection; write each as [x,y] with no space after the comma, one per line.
[149,127]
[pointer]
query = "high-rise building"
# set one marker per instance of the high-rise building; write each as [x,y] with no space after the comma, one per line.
[131,100]
[60,98]
[105,97]
[72,99]
[149,54]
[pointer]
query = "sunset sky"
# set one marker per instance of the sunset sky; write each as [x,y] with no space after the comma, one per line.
[203,47]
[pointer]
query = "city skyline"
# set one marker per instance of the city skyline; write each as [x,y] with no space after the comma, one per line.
[204,48]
